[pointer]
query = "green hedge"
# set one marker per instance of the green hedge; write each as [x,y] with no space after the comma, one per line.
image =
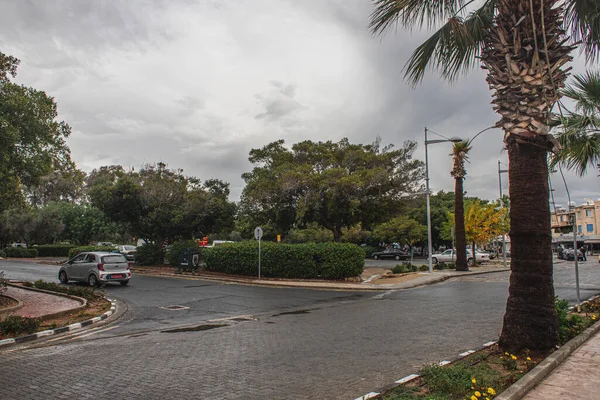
[150,254]
[307,260]
[54,250]
[20,252]
[82,249]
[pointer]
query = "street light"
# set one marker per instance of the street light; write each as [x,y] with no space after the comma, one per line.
[427,141]
[502,171]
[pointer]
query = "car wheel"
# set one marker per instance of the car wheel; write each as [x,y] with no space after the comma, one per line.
[375,257]
[62,277]
[124,283]
[397,258]
[434,260]
[470,262]
[92,280]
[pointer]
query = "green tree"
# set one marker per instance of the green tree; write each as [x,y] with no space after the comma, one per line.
[459,155]
[32,141]
[157,203]
[523,46]
[401,230]
[336,185]
[579,130]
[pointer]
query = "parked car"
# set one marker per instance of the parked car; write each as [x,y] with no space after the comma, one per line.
[22,245]
[569,255]
[128,251]
[96,268]
[396,254]
[107,244]
[450,256]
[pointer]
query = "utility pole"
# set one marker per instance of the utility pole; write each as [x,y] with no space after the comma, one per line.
[500,172]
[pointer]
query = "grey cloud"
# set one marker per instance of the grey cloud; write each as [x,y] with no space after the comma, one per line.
[278,102]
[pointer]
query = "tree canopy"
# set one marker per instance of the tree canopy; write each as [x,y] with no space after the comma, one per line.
[336,185]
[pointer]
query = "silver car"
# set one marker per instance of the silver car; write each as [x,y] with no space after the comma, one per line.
[96,268]
[450,256]
[128,251]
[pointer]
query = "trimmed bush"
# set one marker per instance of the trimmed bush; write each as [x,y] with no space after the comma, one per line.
[424,268]
[20,252]
[150,254]
[172,255]
[87,293]
[15,324]
[54,250]
[82,249]
[2,253]
[307,260]
[370,250]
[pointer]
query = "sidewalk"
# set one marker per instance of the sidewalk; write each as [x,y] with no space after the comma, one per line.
[37,304]
[578,377]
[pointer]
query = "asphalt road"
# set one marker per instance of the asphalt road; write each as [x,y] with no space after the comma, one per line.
[286,343]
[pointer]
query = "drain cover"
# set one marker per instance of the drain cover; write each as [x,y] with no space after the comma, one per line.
[174,307]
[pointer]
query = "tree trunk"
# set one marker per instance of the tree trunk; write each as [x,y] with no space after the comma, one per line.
[530,320]
[474,255]
[459,226]
[337,234]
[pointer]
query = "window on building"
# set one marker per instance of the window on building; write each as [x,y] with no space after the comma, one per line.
[579,228]
[588,213]
[590,227]
[578,214]
[562,218]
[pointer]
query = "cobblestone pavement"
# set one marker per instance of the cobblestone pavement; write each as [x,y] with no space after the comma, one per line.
[36,304]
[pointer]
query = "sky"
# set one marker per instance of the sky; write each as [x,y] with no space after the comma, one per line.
[197,84]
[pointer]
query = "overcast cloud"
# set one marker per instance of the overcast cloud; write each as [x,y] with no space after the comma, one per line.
[198,83]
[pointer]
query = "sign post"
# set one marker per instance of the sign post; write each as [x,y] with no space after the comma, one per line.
[258,233]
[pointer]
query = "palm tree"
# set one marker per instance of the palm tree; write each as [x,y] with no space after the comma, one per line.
[459,154]
[523,46]
[579,133]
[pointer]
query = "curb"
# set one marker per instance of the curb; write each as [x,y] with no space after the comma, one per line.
[13,308]
[56,314]
[72,327]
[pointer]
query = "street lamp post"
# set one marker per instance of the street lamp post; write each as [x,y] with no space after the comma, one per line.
[427,142]
[501,171]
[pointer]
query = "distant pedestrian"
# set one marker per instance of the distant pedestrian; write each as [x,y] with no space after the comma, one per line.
[583,250]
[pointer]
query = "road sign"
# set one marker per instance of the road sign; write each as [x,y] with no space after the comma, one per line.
[258,233]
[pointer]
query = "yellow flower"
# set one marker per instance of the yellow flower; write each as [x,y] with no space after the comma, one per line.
[473,398]
[513,357]
[491,391]
[478,394]
[528,358]
[506,353]
[473,380]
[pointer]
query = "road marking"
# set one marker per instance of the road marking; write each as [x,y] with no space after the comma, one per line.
[76,334]
[371,278]
[380,296]
[81,334]
[442,363]
[488,344]
[466,353]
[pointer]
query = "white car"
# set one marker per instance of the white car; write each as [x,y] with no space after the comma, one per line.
[96,268]
[450,256]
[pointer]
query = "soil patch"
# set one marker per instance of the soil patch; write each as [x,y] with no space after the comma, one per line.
[399,278]
[7,302]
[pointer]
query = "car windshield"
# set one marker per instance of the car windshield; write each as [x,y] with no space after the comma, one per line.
[129,247]
[113,259]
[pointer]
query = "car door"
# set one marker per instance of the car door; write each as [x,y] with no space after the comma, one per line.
[73,265]
[87,265]
[446,256]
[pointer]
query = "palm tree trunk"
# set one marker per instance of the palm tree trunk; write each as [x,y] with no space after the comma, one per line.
[459,226]
[530,320]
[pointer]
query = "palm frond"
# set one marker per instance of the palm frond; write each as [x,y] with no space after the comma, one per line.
[454,48]
[460,155]
[409,13]
[585,91]
[582,18]
[579,151]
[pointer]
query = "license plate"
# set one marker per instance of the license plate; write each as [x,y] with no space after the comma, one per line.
[116,276]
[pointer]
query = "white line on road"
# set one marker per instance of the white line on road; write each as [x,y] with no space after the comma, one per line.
[93,333]
[380,296]
[371,278]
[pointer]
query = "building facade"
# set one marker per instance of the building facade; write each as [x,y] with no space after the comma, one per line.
[587,223]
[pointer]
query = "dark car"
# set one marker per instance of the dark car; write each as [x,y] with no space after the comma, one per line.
[569,255]
[396,254]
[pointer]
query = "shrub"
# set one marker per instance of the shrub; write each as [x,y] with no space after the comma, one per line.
[20,252]
[2,253]
[150,254]
[569,325]
[54,250]
[370,250]
[438,266]
[87,293]
[308,260]
[172,255]
[451,265]
[424,268]
[3,284]
[399,269]
[15,324]
[82,249]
